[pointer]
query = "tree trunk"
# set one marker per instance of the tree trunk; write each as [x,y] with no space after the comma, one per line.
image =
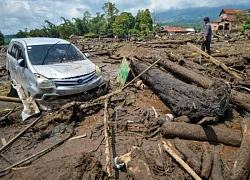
[207,161]
[201,133]
[192,159]
[186,99]
[238,98]
[241,159]
[241,99]
[217,171]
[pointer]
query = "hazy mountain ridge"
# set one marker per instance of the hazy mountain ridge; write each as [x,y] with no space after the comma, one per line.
[193,15]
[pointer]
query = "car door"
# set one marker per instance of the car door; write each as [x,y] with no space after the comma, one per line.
[22,70]
[12,62]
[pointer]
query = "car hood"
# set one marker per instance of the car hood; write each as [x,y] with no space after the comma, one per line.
[65,70]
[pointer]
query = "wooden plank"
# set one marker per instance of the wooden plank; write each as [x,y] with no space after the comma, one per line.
[179,160]
[230,71]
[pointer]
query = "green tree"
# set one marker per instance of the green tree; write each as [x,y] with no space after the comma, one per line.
[134,33]
[1,38]
[79,26]
[240,18]
[21,34]
[50,29]
[246,26]
[143,20]
[123,23]
[98,25]
[36,33]
[86,17]
[110,14]
[66,28]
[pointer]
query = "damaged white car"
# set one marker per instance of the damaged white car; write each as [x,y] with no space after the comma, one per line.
[50,67]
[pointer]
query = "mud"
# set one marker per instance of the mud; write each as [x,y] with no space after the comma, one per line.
[135,118]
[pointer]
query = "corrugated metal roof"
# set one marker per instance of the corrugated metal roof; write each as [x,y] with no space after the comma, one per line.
[174,29]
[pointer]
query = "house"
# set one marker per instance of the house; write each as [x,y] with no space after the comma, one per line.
[227,20]
[168,29]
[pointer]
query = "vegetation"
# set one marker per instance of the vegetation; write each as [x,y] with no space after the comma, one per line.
[243,19]
[111,23]
[1,39]
[108,24]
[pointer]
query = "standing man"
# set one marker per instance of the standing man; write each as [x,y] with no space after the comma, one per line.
[207,37]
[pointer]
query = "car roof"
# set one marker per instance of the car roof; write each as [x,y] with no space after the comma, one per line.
[39,41]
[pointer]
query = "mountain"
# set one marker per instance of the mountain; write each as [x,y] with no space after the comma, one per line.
[192,15]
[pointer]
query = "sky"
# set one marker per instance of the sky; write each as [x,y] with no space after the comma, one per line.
[18,15]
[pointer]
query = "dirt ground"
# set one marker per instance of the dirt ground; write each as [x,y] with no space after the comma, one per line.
[135,117]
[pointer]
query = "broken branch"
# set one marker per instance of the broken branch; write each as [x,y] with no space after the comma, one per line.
[179,160]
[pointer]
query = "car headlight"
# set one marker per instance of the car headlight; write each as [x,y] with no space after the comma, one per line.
[98,71]
[43,82]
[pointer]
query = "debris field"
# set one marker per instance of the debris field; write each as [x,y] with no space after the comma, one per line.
[167,113]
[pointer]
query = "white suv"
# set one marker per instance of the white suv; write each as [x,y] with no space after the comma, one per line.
[48,67]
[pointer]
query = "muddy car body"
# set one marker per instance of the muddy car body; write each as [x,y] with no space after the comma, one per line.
[50,67]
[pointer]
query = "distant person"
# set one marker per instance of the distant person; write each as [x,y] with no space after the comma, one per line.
[207,37]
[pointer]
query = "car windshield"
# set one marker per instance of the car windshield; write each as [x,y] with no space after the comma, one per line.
[53,54]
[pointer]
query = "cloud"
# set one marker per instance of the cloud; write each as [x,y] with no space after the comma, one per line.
[20,14]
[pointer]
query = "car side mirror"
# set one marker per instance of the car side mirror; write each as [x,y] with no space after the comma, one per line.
[87,55]
[21,62]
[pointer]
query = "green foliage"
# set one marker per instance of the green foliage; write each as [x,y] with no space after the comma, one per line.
[157,28]
[143,20]
[110,11]
[134,33]
[1,39]
[245,27]
[123,23]
[91,35]
[98,25]
[240,17]
[81,26]
[36,33]
[101,25]
[50,29]
[66,29]
[21,34]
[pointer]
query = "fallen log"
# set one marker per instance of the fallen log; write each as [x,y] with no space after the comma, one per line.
[219,55]
[192,159]
[101,53]
[238,98]
[178,41]
[183,98]
[217,170]
[161,46]
[192,76]
[10,99]
[241,159]
[207,161]
[201,133]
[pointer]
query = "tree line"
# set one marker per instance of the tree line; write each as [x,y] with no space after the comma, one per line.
[108,24]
